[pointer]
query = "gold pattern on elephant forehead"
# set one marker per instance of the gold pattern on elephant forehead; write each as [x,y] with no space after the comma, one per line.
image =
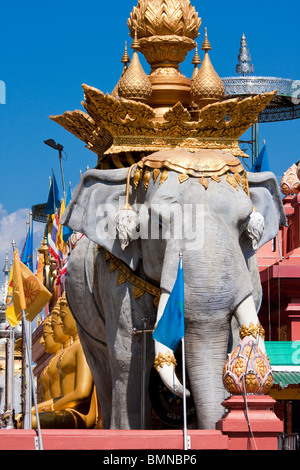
[163,359]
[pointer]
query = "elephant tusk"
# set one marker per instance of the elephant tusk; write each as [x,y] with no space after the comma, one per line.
[165,359]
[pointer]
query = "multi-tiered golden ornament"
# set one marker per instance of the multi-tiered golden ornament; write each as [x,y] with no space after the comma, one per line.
[163,110]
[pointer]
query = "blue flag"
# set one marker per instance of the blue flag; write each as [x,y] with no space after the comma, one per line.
[27,253]
[262,162]
[53,202]
[67,232]
[170,328]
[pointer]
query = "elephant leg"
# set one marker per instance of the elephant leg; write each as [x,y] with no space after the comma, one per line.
[90,326]
[123,314]
[245,314]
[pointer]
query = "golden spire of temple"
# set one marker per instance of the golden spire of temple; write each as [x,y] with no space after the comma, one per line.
[166,30]
[206,44]
[125,60]
[135,83]
[196,61]
[207,87]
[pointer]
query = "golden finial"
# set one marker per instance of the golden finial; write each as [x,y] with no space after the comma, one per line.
[196,61]
[166,30]
[206,44]
[135,43]
[44,246]
[207,87]
[125,59]
[164,18]
[135,84]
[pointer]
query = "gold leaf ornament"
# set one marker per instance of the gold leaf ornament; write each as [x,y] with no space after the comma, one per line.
[137,292]
[137,177]
[252,330]
[162,359]
[156,173]
[231,180]
[147,176]
[163,177]
[182,178]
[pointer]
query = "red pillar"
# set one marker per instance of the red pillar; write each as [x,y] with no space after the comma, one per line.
[251,427]
[292,312]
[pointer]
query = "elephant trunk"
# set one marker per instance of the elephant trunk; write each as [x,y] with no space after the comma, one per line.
[166,368]
[205,360]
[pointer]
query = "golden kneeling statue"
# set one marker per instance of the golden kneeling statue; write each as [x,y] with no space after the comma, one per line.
[76,405]
[49,376]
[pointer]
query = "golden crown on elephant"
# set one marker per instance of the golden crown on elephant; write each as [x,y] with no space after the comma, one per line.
[163,110]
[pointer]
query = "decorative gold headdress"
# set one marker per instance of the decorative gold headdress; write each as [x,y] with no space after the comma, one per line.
[47,325]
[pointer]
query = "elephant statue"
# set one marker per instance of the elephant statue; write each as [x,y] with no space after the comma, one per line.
[136,222]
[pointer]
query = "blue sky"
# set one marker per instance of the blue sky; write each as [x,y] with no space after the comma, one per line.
[49,50]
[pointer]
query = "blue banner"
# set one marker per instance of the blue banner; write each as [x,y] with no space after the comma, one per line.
[170,328]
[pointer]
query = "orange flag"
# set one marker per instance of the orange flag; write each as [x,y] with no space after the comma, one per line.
[10,311]
[18,290]
[40,268]
[29,294]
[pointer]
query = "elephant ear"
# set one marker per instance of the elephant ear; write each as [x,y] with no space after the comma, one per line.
[93,209]
[266,198]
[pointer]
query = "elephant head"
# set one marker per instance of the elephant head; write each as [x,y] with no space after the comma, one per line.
[207,207]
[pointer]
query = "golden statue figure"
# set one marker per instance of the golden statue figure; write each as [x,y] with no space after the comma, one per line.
[53,334]
[49,376]
[75,406]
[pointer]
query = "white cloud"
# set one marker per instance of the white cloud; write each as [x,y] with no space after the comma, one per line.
[13,227]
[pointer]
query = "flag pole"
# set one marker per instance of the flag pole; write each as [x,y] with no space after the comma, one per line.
[185,436]
[186,446]
[39,434]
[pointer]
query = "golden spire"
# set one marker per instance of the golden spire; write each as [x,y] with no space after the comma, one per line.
[206,44]
[166,30]
[207,87]
[135,83]
[196,61]
[125,60]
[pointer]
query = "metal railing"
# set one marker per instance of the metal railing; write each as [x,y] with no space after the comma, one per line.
[289,442]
